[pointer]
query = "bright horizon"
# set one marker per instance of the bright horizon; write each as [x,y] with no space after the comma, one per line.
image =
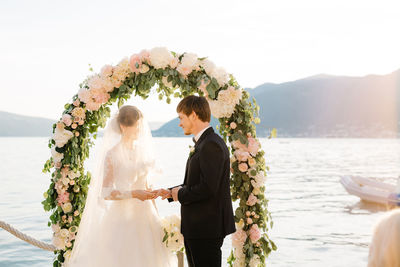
[47,45]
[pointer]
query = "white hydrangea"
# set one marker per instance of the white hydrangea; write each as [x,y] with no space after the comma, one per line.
[59,242]
[220,75]
[62,136]
[208,66]
[57,157]
[220,109]
[189,60]
[226,102]
[160,57]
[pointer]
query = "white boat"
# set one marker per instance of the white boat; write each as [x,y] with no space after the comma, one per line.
[370,189]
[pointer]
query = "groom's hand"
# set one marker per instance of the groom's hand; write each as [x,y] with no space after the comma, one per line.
[174,192]
[163,193]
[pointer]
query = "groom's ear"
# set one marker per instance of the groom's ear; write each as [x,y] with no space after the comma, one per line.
[193,116]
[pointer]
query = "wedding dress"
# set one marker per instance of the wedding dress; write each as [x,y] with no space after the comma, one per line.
[126,232]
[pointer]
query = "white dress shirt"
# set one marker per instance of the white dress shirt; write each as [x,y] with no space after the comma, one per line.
[197,137]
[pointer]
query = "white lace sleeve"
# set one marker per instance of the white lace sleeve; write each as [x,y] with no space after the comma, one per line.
[108,181]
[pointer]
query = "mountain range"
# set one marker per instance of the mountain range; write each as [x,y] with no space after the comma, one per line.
[325,106]
[317,106]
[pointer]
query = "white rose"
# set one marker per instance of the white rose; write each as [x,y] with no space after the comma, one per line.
[72,175]
[144,68]
[189,60]
[57,157]
[65,180]
[64,233]
[67,207]
[160,57]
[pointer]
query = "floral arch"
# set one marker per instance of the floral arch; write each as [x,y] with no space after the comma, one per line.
[176,75]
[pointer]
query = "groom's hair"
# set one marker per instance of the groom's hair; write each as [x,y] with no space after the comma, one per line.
[198,104]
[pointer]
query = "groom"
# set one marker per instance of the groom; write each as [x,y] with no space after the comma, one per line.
[206,206]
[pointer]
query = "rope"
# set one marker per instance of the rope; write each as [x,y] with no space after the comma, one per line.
[26,238]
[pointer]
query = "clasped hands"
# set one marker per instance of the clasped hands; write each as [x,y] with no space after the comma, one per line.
[167,193]
[146,194]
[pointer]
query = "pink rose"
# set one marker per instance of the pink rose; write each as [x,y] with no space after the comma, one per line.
[233,125]
[174,63]
[76,103]
[254,233]
[252,200]
[106,71]
[144,55]
[63,198]
[185,71]
[81,122]
[203,87]
[238,145]
[241,155]
[248,213]
[64,172]
[253,146]
[67,119]
[72,182]
[135,62]
[102,98]
[76,213]
[249,221]
[243,167]
[60,126]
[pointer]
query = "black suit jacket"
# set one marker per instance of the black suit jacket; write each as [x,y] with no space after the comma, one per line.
[206,205]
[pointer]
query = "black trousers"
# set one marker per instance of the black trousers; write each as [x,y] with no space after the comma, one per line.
[204,252]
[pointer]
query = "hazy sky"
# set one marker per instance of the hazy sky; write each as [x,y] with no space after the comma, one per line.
[46,46]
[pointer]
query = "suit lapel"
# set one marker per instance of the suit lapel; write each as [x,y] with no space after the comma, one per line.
[202,137]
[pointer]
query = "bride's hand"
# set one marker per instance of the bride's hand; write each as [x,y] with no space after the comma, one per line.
[144,195]
[115,194]
[163,193]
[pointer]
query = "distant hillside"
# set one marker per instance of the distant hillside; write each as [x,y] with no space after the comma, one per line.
[19,125]
[171,128]
[318,106]
[332,106]
[325,106]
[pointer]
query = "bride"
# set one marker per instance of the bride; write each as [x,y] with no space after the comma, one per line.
[120,224]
